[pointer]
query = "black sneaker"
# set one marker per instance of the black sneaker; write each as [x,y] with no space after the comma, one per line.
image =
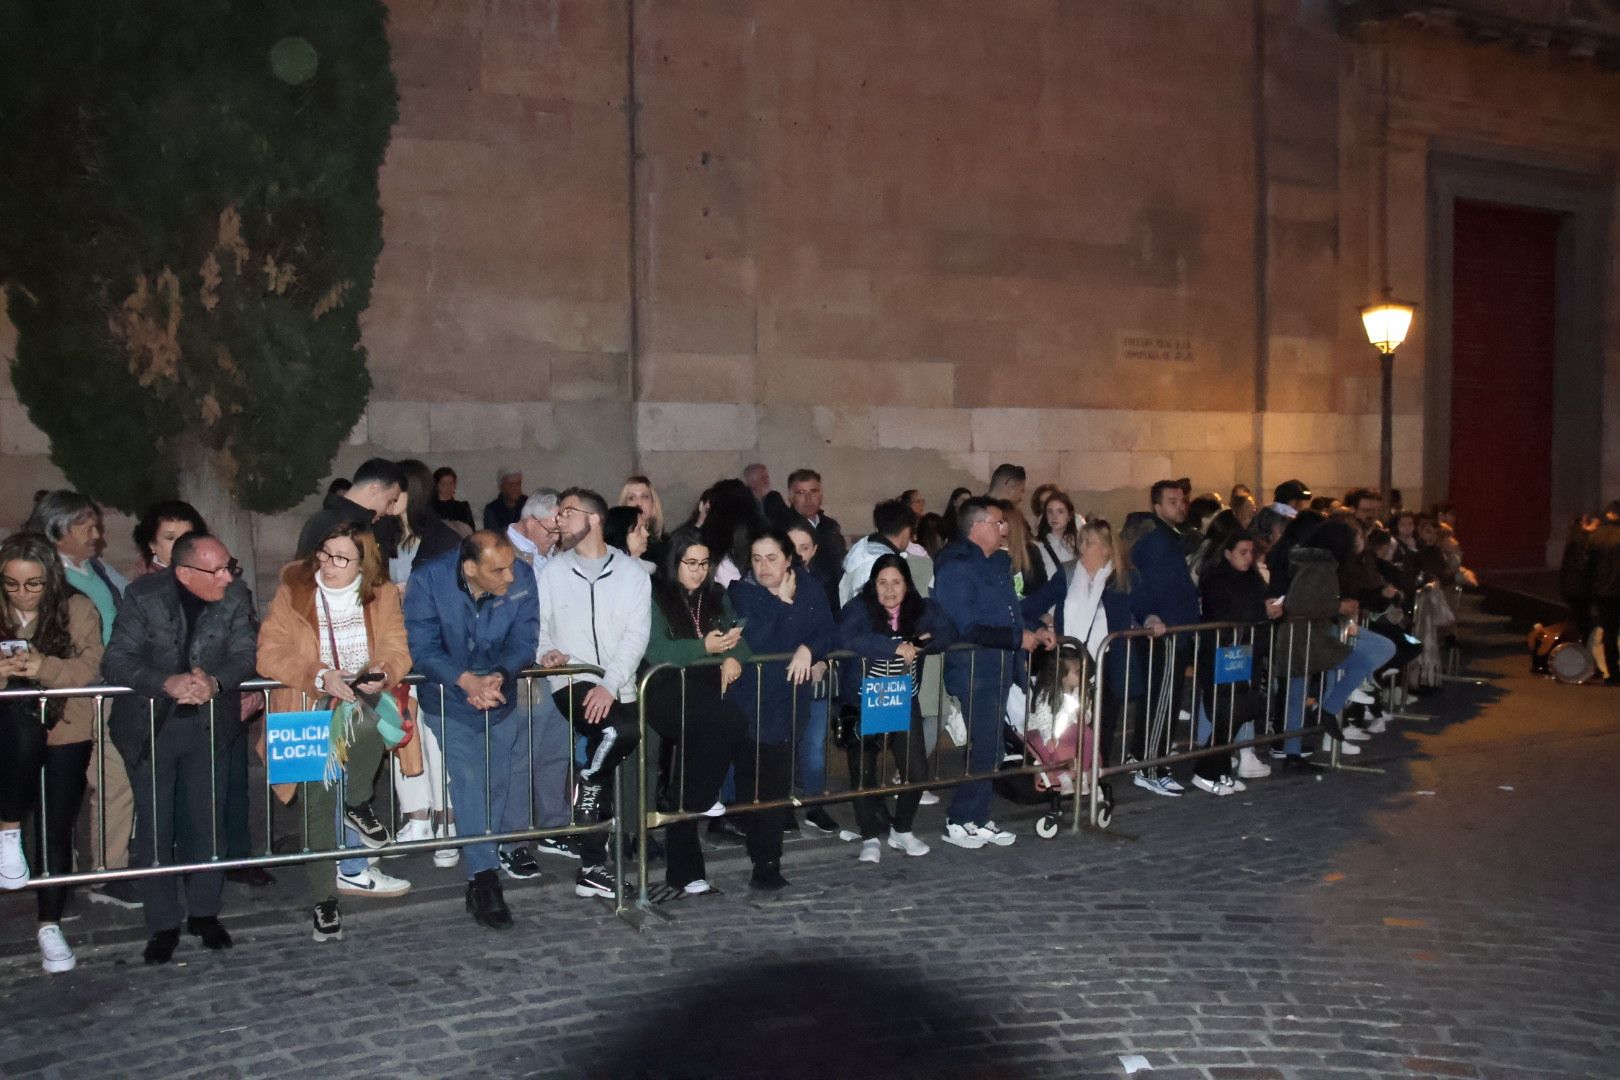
[767,877]
[519,864]
[210,930]
[117,893]
[588,804]
[818,818]
[363,820]
[486,903]
[557,845]
[790,823]
[595,881]
[328,920]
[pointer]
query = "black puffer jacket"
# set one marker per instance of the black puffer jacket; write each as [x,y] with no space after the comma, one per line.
[1603,560]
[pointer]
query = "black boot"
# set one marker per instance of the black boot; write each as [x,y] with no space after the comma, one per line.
[767,877]
[486,903]
[161,947]
[209,929]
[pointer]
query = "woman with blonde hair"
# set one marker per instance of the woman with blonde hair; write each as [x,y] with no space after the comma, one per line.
[336,628]
[638,491]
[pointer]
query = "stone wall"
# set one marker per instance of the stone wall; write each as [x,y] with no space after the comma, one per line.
[904,241]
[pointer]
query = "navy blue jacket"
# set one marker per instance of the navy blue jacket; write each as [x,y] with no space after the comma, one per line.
[770,702]
[856,633]
[975,591]
[1166,588]
[450,634]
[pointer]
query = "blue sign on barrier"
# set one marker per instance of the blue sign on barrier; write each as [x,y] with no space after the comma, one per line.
[1234,664]
[886,705]
[296,744]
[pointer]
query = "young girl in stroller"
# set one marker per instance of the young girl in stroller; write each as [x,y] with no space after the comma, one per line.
[1057,726]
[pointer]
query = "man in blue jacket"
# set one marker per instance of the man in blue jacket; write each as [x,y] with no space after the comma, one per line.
[472,626]
[1165,597]
[973,585]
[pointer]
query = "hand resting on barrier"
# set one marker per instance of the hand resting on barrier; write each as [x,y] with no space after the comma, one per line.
[798,669]
[483,691]
[196,687]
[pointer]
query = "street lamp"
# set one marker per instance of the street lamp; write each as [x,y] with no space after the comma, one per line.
[1386,323]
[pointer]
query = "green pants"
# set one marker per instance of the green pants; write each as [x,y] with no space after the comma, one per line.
[360,775]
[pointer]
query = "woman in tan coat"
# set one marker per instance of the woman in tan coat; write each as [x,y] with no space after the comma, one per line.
[52,640]
[336,625]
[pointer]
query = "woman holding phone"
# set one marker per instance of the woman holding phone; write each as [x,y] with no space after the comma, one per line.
[336,625]
[52,641]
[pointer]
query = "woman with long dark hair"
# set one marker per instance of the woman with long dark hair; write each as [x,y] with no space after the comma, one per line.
[52,641]
[732,519]
[412,532]
[891,626]
[693,709]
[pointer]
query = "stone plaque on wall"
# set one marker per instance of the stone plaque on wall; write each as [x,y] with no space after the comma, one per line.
[1141,347]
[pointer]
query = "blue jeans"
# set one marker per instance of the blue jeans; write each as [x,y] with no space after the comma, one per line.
[984,707]
[1369,653]
[464,756]
[550,741]
[811,750]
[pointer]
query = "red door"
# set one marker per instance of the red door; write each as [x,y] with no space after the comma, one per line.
[1502,319]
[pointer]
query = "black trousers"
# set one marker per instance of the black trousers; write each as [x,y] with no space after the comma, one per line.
[178,820]
[764,774]
[22,755]
[1608,620]
[865,770]
[703,743]
[607,745]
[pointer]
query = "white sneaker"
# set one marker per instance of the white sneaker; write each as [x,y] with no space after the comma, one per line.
[13,864]
[371,882]
[717,810]
[964,836]
[413,829]
[1361,696]
[697,888]
[1378,724]
[1159,785]
[1348,749]
[907,842]
[54,954]
[871,851]
[1250,767]
[1219,788]
[993,835]
[928,799]
[445,858]
[1352,733]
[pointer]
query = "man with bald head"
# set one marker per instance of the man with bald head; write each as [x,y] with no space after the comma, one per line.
[185,640]
[472,620]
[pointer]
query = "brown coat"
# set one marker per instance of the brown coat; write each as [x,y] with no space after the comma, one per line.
[78,723]
[290,653]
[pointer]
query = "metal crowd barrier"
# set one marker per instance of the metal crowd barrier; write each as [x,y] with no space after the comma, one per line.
[270,857]
[1170,652]
[1013,669]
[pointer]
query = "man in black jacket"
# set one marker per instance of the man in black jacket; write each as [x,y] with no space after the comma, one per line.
[804,493]
[185,640]
[1604,576]
[375,487]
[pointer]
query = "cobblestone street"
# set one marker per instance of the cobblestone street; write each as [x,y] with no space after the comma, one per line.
[1452,915]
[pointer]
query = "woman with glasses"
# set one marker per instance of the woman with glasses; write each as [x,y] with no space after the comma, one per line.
[336,626]
[694,709]
[52,640]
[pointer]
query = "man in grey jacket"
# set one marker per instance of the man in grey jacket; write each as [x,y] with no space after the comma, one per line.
[595,608]
[185,640]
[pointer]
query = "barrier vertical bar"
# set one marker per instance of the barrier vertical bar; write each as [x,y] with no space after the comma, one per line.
[213,787]
[101,780]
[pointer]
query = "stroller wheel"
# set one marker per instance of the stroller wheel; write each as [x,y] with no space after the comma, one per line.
[1046,826]
[1105,815]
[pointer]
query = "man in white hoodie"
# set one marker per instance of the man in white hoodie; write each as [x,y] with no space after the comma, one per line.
[893,523]
[595,608]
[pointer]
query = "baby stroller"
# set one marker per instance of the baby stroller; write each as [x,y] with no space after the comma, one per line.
[1040,736]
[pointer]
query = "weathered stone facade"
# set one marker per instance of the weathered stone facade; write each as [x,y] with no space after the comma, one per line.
[903,241]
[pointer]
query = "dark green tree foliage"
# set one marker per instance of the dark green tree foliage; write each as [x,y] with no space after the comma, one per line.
[188,229]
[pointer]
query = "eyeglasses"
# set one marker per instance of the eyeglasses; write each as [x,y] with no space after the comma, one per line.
[339,561]
[32,585]
[998,525]
[568,511]
[695,564]
[233,568]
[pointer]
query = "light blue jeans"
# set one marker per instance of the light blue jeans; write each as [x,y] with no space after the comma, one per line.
[1369,652]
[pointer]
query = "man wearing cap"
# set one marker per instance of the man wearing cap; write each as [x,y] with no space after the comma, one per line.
[1290,498]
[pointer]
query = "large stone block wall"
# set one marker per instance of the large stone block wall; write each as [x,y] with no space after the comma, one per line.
[902,242]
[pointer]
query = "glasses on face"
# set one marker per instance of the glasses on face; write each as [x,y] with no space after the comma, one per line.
[695,564]
[32,585]
[339,561]
[570,511]
[232,568]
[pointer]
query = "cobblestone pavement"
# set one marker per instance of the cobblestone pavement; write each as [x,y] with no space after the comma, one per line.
[1457,914]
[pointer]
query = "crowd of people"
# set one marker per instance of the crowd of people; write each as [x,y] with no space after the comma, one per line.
[753,622]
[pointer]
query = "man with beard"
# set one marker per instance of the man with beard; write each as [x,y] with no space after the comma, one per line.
[595,608]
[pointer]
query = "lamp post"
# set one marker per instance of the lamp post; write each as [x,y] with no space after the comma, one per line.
[1386,323]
